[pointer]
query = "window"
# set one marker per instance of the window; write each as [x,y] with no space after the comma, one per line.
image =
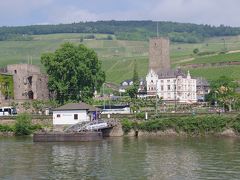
[15,71]
[169,96]
[75,116]
[162,81]
[58,116]
[168,87]
[168,81]
[161,88]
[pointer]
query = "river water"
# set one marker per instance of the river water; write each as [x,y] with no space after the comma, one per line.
[121,158]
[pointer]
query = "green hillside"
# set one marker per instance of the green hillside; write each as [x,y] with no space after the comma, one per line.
[212,73]
[125,30]
[117,56]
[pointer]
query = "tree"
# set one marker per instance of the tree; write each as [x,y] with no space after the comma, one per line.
[135,74]
[74,73]
[223,92]
[133,90]
[196,51]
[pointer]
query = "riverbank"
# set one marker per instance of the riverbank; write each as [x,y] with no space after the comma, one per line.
[184,126]
[217,125]
[23,125]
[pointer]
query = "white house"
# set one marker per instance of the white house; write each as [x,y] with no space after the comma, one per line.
[74,113]
[172,85]
[127,83]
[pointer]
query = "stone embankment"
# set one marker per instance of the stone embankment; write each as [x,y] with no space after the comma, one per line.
[38,119]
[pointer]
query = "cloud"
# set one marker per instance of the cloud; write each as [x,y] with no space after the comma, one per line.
[71,14]
[198,11]
[17,12]
[215,12]
[22,6]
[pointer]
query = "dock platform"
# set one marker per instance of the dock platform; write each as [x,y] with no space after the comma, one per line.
[67,137]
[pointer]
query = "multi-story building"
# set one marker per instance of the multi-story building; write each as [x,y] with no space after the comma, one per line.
[172,85]
[203,88]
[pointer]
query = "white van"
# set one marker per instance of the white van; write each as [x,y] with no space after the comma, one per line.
[7,111]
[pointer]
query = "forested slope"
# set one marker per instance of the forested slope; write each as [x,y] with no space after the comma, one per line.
[124,30]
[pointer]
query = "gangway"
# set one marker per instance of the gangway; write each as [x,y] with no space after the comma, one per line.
[91,126]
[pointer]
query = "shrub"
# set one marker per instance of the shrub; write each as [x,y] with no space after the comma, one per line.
[236,124]
[191,125]
[23,125]
[140,115]
[36,127]
[6,128]
[126,125]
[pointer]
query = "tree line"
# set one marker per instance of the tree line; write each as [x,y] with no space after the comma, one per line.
[124,30]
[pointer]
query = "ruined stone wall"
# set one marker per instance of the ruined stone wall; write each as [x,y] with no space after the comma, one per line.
[42,91]
[29,82]
[159,54]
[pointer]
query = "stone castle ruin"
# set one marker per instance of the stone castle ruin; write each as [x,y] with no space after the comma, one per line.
[28,82]
[159,58]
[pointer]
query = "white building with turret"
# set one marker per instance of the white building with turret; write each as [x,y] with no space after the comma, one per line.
[172,85]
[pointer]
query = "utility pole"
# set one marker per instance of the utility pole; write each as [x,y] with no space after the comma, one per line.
[156,99]
[103,96]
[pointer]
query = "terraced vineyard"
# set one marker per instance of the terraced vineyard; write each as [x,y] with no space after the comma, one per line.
[117,56]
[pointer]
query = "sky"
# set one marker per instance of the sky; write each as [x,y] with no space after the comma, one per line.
[29,12]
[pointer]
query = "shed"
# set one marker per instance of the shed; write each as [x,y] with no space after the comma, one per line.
[73,113]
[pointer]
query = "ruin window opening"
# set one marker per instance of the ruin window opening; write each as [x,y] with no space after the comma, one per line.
[30,94]
[30,80]
[15,71]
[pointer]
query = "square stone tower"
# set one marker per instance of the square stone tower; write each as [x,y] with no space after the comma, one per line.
[159,54]
[29,82]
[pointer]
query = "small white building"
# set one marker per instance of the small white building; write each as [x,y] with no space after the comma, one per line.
[172,85]
[73,113]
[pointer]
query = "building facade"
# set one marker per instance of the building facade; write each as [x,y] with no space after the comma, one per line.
[74,113]
[172,85]
[203,88]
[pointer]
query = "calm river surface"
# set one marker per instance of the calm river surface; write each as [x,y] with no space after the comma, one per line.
[121,158]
